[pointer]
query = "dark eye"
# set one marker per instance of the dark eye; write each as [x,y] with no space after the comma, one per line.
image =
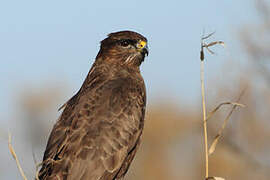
[124,43]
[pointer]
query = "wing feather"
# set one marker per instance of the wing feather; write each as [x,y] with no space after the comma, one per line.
[97,131]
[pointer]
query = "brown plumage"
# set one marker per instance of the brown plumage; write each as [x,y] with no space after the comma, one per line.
[100,128]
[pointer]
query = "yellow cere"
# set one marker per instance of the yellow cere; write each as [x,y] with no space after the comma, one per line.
[142,44]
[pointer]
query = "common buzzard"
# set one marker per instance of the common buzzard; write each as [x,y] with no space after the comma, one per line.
[100,128]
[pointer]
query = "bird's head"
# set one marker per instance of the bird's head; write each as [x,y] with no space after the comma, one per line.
[124,47]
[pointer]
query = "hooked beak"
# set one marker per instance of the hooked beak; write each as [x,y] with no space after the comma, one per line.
[143,47]
[145,50]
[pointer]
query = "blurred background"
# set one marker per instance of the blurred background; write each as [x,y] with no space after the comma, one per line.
[47,48]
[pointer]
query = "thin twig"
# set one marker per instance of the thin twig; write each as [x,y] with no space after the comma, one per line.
[204,119]
[203,105]
[11,149]
[208,36]
[207,46]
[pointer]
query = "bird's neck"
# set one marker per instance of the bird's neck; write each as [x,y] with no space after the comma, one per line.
[114,63]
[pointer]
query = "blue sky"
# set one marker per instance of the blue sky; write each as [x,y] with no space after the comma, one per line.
[42,41]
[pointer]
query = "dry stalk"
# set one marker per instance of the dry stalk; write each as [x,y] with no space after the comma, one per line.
[204,45]
[204,119]
[12,151]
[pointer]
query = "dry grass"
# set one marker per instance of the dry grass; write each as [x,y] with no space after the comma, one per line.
[12,151]
[205,117]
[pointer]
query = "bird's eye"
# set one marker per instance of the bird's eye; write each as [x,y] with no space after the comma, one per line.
[124,43]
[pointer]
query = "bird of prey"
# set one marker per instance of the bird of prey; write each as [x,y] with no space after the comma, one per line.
[100,128]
